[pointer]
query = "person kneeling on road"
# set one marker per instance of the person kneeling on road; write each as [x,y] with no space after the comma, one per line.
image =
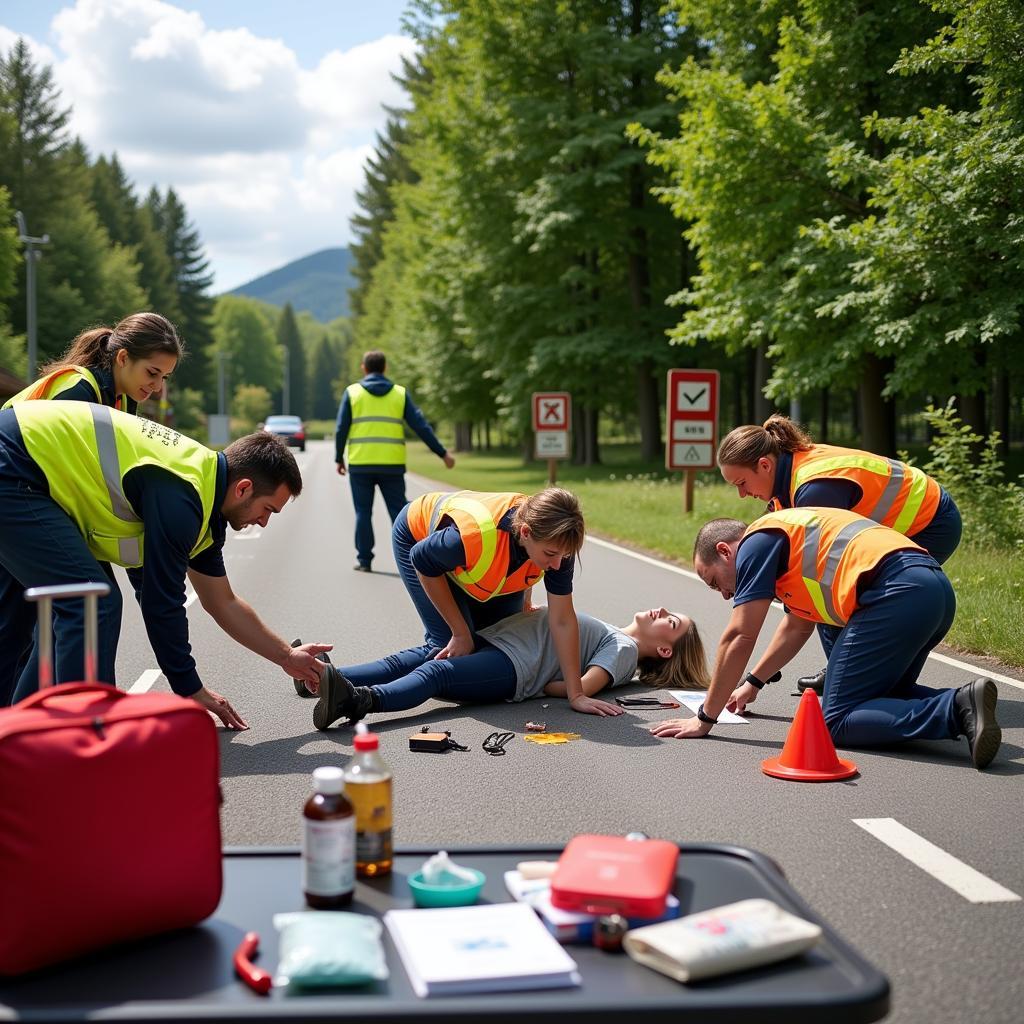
[516,659]
[80,483]
[890,601]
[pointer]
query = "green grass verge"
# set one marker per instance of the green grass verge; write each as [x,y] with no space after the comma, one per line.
[638,504]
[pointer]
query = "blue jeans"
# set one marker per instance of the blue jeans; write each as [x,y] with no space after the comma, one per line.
[477,614]
[41,546]
[940,538]
[392,489]
[872,697]
[411,677]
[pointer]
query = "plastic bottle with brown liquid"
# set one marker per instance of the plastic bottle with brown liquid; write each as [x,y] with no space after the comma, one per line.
[328,843]
[368,787]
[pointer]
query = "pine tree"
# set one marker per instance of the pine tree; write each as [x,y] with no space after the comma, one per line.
[289,339]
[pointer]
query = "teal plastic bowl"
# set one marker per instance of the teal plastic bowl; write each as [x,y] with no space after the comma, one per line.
[461,895]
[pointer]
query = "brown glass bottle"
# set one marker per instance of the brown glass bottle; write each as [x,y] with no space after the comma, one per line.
[328,843]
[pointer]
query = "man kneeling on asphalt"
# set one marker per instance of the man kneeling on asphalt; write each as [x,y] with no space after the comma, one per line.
[81,483]
[888,597]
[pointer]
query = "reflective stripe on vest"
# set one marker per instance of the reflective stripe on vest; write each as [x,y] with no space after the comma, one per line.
[487,548]
[829,550]
[893,493]
[85,450]
[54,383]
[377,434]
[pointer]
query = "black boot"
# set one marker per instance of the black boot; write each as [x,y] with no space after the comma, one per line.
[815,683]
[340,699]
[975,705]
[300,686]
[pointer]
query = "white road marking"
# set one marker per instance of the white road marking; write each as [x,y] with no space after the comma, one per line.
[247,533]
[190,598]
[962,665]
[942,866]
[145,682]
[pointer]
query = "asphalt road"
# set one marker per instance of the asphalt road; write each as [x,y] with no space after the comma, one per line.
[951,948]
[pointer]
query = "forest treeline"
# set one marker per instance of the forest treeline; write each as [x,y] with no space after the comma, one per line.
[110,252]
[823,199]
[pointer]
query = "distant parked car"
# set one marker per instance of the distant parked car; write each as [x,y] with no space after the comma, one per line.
[288,428]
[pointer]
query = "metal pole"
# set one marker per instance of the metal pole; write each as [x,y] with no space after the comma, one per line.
[31,255]
[220,383]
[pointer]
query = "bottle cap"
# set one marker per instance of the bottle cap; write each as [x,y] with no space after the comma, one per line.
[328,780]
[365,740]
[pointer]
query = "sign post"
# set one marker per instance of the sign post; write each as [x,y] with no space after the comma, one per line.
[691,425]
[552,412]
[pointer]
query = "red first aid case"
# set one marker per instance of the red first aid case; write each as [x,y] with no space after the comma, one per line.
[109,817]
[615,875]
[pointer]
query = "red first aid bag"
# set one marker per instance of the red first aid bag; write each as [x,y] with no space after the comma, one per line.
[615,875]
[109,819]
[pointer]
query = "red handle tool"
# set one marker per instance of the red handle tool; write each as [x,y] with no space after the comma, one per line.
[255,977]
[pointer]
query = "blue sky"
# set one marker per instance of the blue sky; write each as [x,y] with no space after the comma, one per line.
[261,115]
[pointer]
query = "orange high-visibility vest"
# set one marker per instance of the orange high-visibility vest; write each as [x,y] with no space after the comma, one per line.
[892,493]
[829,550]
[61,379]
[476,515]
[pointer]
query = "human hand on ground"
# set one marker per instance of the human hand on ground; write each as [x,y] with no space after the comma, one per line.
[681,728]
[220,706]
[743,695]
[592,706]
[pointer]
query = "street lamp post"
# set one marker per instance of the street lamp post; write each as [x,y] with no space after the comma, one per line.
[31,255]
[221,383]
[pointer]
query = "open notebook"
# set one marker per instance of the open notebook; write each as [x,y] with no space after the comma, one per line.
[488,948]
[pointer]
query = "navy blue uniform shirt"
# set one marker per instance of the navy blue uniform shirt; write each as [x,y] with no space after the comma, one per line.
[443,551]
[83,391]
[379,385]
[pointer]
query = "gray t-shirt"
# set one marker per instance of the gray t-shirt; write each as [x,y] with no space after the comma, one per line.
[526,640]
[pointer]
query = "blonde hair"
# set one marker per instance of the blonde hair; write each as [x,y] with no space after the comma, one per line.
[140,335]
[553,515]
[685,667]
[745,445]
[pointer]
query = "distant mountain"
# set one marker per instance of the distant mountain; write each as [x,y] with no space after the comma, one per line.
[318,283]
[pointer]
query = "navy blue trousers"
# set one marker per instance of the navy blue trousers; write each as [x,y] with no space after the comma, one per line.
[872,697]
[392,489]
[41,546]
[411,677]
[940,538]
[477,614]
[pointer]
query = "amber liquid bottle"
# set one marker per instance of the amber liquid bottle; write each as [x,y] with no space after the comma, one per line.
[328,843]
[368,787]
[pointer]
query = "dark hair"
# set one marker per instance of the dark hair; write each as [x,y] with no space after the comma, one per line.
[265,460]
[554,515]
[713,533]
[140,335]
[375,361]
[745,445]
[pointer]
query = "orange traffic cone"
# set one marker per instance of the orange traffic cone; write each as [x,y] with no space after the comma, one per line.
[809,754]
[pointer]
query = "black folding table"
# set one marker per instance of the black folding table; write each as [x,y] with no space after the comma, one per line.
[188,975]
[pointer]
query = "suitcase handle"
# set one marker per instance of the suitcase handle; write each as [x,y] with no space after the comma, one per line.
[65,689]
[45,596]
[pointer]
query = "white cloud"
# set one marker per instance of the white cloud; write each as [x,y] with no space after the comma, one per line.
[266,154]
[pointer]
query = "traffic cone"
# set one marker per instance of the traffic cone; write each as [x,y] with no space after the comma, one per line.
[809,754]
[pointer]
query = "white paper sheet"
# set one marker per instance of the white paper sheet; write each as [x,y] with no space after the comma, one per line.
[693,699]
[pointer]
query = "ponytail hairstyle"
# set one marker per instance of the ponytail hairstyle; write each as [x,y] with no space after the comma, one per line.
[140,335]
[554,515]
[745,445]
[685,668]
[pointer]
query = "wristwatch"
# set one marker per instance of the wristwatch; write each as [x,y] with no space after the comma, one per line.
[703,716]
[761,684]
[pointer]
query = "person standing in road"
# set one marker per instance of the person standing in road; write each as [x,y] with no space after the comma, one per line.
[889,602]
[117,366]
[80,483]
[779,464]
[371,421]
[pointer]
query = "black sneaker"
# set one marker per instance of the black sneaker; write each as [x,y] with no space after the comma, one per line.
[300,686]
[976,710]
[361,567]
[815,683]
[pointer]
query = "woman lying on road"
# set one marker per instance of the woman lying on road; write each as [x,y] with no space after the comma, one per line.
[516,659]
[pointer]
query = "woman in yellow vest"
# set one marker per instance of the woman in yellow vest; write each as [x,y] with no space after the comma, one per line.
[780,464]
[890,602]
[118,366]
[470,558]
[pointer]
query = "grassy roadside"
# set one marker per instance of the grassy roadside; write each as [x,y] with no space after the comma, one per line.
[640,505]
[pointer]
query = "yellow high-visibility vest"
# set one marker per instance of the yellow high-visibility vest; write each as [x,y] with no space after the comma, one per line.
[377,434]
